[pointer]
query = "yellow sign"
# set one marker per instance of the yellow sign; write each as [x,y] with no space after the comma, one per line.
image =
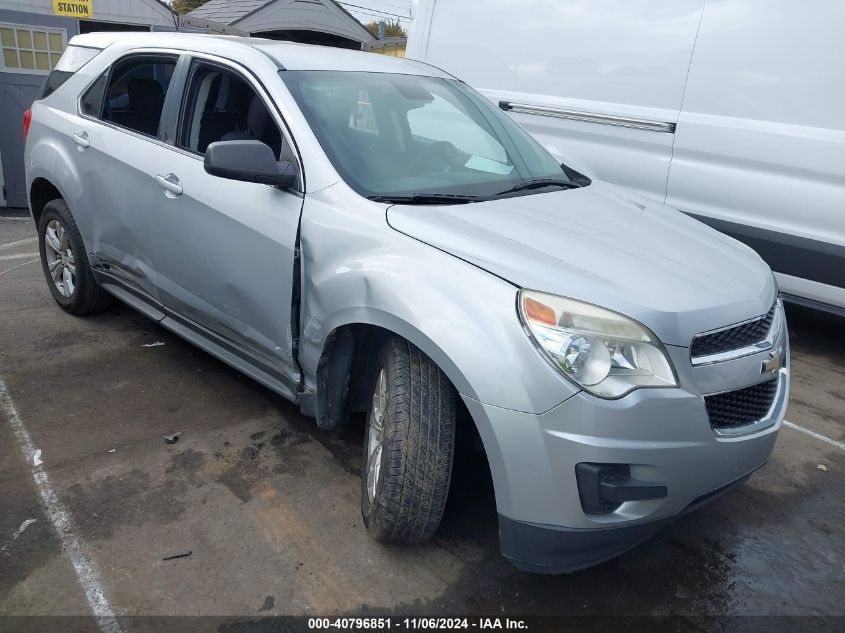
[74,8]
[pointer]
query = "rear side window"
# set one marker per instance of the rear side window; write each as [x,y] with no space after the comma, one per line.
[92,101]
[135,93]
[74,58]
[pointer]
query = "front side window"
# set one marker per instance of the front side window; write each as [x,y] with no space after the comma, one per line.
[30,50]
[403,135]
[223,106]
[135,93]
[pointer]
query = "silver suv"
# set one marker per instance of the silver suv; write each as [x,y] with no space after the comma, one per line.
[367,234]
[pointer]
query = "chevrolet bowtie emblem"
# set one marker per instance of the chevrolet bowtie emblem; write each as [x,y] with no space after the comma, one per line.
[773,363]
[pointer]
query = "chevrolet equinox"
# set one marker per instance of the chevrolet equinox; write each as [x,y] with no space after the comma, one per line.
[361,233]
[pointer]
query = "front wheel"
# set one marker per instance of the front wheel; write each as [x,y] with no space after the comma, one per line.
[408,446]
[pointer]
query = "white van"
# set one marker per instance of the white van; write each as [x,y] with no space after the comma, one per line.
[730,110]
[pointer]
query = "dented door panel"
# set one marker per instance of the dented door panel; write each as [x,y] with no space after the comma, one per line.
[120,238]
[224,254]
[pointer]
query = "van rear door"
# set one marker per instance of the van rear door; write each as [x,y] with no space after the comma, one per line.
[599,83]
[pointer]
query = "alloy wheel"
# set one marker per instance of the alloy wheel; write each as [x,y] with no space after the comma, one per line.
[61,262]
[375,435]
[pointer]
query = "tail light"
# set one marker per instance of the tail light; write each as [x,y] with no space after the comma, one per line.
[27,119]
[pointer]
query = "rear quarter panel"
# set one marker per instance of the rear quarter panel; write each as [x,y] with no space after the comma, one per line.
[50,152]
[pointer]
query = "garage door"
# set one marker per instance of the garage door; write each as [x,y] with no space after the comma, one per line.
[29,52]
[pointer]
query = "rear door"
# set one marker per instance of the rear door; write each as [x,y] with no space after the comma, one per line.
[120,147]
[760,145]
[224,249]
[599,83]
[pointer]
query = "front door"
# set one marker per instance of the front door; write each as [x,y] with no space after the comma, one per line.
[224,249]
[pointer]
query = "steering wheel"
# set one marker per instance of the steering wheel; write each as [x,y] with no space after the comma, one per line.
[438,156]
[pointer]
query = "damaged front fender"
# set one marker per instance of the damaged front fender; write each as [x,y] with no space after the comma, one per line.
[358,270]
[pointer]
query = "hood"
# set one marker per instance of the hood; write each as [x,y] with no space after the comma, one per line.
[647,261]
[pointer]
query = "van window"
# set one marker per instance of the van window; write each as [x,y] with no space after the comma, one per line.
[222,106]
[136,91]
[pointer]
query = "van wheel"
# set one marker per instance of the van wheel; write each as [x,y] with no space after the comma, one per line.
[65,262]
[408,446]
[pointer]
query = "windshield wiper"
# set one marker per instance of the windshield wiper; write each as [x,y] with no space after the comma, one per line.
[539,184]
[426,198]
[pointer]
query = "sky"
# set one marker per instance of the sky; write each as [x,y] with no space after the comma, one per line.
[367,10]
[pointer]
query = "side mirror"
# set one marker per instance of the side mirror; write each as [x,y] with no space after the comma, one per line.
[249,161]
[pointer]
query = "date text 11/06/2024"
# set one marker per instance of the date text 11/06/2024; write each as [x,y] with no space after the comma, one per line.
[435,624]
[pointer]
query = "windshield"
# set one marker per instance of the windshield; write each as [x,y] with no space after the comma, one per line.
[400,136]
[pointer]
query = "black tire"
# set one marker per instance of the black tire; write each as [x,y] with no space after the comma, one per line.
[87,297]
[417,449]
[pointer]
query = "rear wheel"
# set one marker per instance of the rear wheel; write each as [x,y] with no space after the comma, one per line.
[408,446]
[65,262]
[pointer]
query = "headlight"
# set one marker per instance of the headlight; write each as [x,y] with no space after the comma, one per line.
[601,351]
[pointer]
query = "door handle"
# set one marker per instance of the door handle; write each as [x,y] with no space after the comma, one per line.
[81,140]
[171,185]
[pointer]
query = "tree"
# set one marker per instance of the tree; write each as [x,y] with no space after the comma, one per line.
[184,6]
[391,28]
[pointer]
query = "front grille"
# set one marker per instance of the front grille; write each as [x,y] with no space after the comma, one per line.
[741,407]
[734,337]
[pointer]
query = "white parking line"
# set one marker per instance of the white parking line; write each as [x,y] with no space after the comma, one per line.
[28,240]
[8,270]
[85,572]
[818,436]
[18,256]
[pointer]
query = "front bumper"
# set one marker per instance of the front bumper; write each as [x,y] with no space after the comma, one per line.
[545,549]
[662,436]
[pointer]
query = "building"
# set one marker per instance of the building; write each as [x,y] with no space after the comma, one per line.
[308,21]
[33,34]
[393,46]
